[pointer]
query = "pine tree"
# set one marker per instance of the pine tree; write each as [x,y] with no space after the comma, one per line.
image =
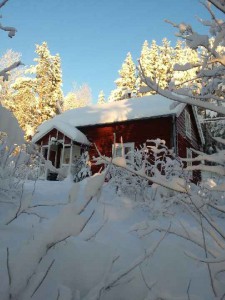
[48,82]
[26,108]
[165,64]
[80,96]
[126,84]
[38,97]
[101,97]
[158,63]
[148,62]
[182,56]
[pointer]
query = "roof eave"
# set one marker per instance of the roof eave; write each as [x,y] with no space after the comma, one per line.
[57,128]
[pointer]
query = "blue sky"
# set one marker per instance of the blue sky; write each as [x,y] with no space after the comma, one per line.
[93,36]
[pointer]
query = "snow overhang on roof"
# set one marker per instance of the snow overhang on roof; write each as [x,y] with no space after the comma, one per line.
[124,110]
[70,131]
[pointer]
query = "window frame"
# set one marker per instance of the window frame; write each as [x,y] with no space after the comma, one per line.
[187,123]
[189,155]
[123,146]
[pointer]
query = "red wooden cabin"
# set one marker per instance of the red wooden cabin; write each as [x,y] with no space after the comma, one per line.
[135,120]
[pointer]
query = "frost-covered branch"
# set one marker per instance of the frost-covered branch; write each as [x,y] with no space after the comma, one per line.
[174,185]
[179,98]
[42,280]
[206,255]
[95,293]
[218,4]
[11,30]
[3,3]
[4,73]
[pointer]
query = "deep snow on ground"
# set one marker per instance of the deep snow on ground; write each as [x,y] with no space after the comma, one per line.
[100,257]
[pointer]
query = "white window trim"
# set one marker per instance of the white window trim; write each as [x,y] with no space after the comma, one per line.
[189,155]
[187,124]
[62,163]
[123,146]
[43,148]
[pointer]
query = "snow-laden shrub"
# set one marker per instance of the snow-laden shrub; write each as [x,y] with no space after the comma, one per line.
[81,167]
[153,159]
[17,164]
[10,169]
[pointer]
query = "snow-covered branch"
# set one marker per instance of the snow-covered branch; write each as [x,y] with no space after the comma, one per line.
[11,30]
[4,73]
[3,3]
[218,4]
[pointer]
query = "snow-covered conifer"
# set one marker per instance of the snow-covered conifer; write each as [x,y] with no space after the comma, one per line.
[36,99]
[126,83]
[101,97]
[148,60]
[80,96]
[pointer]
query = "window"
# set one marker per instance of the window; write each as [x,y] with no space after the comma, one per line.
[189,155]
[125,150]
[188,124]
[45,152]
[66,158]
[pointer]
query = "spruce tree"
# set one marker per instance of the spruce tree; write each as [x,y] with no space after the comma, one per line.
[48,82]
[80,96]
[165,64]
[148,62]
[158,63]
[101,97]
[126,84]
[182,56]
[38,97]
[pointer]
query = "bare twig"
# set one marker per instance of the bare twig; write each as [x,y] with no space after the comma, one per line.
[50,205]
[58,294]
[206,255]
[85,206]
[9,272]
[42,280]
[85,224]
[183,236]
[149,287]
[34,214]
[188,288]
[3,3]
[210,222]
[138,262]
[96,232]
[18,212]
[218,5]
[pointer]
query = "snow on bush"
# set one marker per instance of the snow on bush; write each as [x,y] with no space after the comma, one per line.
[152,160]
[202,202]
[81,167]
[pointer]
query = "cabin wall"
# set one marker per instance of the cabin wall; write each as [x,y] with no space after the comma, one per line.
[57,154]
[53,133]
[184,141]
[137,131]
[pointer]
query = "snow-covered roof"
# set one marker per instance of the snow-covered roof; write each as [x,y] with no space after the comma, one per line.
[68,129]
[129,109]
[124,110]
